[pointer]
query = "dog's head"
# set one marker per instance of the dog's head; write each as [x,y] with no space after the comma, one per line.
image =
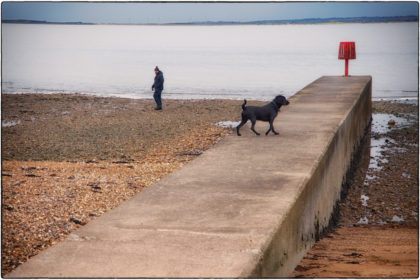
[281,100]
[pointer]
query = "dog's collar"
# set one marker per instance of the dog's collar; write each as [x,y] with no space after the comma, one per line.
[275,105]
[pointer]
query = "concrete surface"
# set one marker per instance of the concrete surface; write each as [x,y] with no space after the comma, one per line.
[249,207]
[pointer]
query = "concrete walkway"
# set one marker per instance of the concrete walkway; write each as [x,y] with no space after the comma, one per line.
[250,206]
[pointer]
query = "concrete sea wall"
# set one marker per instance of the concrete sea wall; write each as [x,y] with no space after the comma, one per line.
[249,207]
[312,211]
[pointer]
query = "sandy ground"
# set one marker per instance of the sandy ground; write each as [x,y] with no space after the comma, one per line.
[371,252]
[66,159]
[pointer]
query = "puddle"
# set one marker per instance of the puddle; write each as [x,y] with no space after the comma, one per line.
[364,199]
[228,124]
[363,221]
[405,175]
[379,145]
[380,222]
[380,123]
[10,123]
[397,219]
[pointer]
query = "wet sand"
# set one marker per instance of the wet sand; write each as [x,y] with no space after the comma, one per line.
[66,159]
[364,252]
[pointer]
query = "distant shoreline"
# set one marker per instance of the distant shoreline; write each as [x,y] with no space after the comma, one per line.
[259,22]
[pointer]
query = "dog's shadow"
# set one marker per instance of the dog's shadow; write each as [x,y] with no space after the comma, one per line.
[259,126]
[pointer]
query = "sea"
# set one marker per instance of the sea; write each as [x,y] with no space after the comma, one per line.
[255,62]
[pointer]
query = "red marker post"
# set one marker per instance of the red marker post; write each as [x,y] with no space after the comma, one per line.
[347,51]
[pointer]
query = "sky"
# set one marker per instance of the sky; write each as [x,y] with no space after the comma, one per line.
[177,12]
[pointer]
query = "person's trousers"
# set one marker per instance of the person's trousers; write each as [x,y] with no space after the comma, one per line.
[157,97]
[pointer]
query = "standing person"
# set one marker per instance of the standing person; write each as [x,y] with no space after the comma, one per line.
[158,87]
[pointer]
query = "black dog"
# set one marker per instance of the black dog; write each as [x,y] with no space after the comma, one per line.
[266,113]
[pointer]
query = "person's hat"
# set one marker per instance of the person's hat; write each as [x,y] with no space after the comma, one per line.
[157,68]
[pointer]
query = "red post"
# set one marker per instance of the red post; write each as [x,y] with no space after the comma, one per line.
[347,68]
[347,51]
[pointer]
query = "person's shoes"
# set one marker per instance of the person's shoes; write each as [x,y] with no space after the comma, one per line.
[158,108]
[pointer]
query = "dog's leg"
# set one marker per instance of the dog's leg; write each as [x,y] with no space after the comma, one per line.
[272,129]
[243,121]
[253,120]
[272,126]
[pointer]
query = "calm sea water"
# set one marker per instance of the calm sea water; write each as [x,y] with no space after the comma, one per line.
[241,61]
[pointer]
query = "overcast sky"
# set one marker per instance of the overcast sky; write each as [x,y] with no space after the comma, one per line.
[135,12]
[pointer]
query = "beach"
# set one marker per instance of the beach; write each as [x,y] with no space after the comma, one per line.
[68,158]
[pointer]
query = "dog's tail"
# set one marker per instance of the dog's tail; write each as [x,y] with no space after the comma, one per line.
[243,105]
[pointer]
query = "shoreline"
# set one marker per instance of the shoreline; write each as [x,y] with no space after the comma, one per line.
[166,96]
[304,21]
[192,97]
[100,151]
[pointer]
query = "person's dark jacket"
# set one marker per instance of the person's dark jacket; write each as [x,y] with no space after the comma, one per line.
[158,84]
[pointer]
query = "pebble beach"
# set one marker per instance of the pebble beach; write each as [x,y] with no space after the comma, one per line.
[68,158]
